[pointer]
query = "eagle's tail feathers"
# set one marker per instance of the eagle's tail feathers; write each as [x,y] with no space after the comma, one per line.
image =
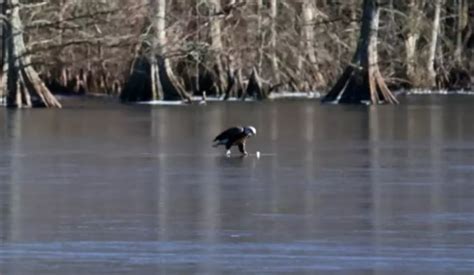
[219,142]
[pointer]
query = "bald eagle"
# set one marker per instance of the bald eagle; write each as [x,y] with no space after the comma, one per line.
[235,136]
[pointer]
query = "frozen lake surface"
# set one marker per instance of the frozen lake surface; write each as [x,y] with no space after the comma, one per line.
[103,188]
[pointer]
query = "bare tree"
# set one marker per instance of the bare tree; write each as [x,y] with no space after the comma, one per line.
[310,14]
[273,41]
[354,5]
[231,47]
[362,80]
[260,34]
[411,41]
[256,88]
[430,64]
[216,44]
[20,82]
[152,77]
[462,22]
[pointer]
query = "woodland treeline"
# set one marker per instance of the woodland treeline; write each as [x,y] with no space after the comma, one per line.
[176,49]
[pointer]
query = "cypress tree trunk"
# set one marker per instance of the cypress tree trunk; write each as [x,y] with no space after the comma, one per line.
[469,41]
[255,89]
[353,26]
[19,81]
[234,79]
[460,76]
[411,42]
[216,45]
[151,77]
[362,81]
[309,16]
[260,35]
[430,65]
[273,42]
[462,21]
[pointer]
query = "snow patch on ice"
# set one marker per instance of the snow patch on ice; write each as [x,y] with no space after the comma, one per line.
[439,92]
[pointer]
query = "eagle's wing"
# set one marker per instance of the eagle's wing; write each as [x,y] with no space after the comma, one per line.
[229,133]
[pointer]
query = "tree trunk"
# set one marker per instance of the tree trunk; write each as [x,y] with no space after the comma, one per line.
[216,45]
[411,42]
[430,66]
[255,87]
[233,62]
[58,77]
[309,17]
[20,82]
[353,25]
[260,35]
[469,42]
[273,41]
[4,63]
[362,81]
[151,76]
[170,88]
[462,21]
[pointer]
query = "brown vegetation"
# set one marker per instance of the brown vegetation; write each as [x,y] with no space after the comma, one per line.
[231,48]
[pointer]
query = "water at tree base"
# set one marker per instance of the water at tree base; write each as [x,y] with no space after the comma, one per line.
[101,188]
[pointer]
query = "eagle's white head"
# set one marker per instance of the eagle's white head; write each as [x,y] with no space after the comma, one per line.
[250,130]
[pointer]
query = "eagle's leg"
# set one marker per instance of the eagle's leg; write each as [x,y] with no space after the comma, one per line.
[241,146]
[227,148]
